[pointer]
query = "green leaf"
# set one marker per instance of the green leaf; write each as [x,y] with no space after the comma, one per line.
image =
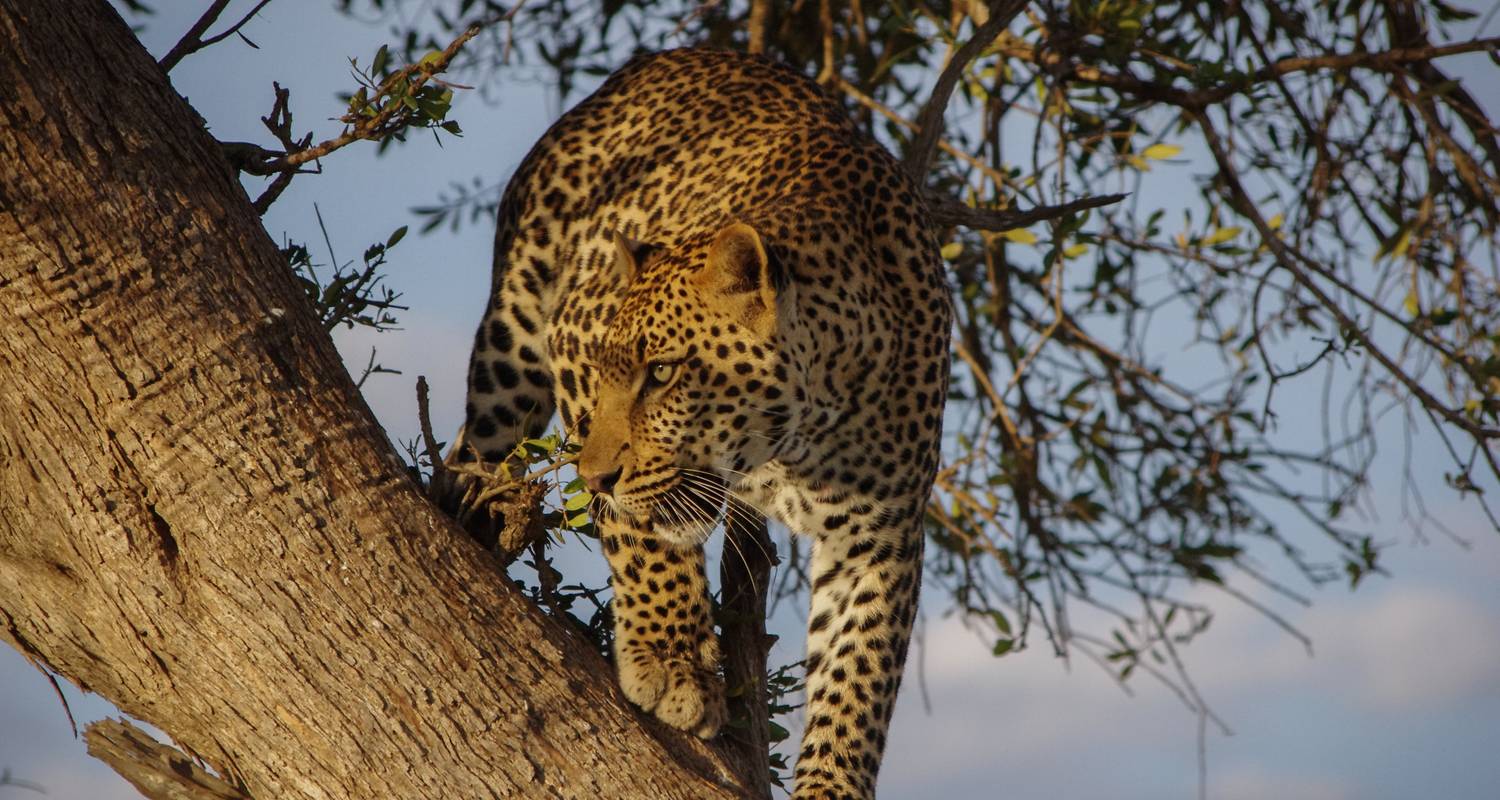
[951,250]
[1019,236]
[1221,235]
[1158,152]
[1402,244]
[1413,305]
[578,501]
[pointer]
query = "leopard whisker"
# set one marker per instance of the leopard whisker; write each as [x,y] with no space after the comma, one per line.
[682,512]
[697,485]
[668,504]
[694,490]
[718,484]
[735,508]
[730,470]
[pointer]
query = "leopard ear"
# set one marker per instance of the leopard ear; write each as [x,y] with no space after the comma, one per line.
[743,278]
[629,256]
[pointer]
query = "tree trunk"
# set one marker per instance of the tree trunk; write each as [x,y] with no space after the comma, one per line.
[200,519]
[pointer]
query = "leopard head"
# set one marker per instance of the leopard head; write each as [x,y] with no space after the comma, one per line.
[694,384]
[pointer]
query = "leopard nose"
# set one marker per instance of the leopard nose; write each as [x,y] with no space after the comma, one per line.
[603,482]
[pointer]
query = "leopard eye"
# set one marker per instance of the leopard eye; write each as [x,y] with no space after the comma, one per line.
[660,373]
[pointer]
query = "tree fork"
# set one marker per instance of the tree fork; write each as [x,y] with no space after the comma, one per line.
[199,517]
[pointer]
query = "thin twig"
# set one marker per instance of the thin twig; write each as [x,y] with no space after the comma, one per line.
[190,41]
[947,147]
[1161,90]
[235,28]
[1292,262]
[193,41]
[825,21]
[429,442]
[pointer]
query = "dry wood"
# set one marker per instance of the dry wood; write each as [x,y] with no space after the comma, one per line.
[200,519]
[156,769]
[745,576]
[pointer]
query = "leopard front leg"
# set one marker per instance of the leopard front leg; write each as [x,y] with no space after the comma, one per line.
[666,653]
[864,596]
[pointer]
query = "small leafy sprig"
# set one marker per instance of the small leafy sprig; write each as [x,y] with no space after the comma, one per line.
[783,685]
[388,102]
[349,296]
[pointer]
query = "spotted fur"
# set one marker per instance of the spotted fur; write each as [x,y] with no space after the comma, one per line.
[734,298]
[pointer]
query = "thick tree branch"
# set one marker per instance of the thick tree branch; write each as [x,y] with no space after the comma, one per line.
[744,580]
[199,517]
[930,120]
[757,24]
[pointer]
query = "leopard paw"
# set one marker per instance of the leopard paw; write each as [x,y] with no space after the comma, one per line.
[684,695]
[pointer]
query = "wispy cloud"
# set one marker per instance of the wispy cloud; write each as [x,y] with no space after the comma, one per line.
[1249,783]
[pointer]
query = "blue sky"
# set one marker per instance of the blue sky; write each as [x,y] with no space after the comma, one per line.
[1400,698]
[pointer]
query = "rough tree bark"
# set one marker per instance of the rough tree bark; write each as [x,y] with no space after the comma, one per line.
[200,519]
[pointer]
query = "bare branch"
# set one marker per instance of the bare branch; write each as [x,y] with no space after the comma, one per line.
[825,22]
[429,442]
[235,28]
[1160,90]
[930,121]
[192,41]
[947,211]
[279,123]
[1290,261]
[760,18]
[943,144]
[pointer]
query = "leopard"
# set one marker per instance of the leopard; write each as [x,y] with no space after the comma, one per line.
[733,297]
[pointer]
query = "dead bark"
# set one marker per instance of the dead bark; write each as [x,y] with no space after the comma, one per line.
[157,770]
[745,577]
[200,519]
